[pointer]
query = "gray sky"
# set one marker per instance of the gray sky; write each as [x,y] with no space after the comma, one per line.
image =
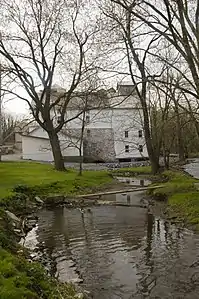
[16,106]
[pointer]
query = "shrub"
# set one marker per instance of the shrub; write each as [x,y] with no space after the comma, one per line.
[21,189]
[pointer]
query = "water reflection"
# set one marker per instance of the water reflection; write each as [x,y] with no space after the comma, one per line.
[192,168]
[133,181]
[121,252]
[132,198]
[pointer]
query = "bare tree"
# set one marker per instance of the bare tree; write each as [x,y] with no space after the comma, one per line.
[177,22]
[137,54]
[11,125]
[42,37]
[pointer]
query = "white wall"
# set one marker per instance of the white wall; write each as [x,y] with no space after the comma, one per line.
[39,149]
[128,120]
[36,149]
[69,149]
[120,120]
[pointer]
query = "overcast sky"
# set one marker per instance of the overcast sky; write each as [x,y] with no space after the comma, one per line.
[16,106]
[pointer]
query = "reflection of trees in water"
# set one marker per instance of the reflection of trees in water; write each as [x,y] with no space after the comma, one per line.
[90,237]
[51,224]
[51,234]
[162,246]
[149,239]
[131,226]
[91,254]
[146,265]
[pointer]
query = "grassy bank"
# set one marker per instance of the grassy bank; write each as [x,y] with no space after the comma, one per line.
[183,196]
[44,180]
[20,279]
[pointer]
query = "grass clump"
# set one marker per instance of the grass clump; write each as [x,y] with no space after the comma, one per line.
[8,239]
[176,182]
[182,194]
[20,279]
[186,206]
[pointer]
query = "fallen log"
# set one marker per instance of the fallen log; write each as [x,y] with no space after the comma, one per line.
[119,191]
[120,204]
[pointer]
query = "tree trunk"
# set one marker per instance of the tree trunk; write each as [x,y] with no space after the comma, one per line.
[82,141]
[81,161]
[179,134]
[167,162]
[155,166]
[153,157]
[56,150]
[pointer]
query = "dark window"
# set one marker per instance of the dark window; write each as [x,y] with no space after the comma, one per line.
[123,160]
[87,119]
[140,133]
[58,119]
[140,148]
[126,134]
[126,148]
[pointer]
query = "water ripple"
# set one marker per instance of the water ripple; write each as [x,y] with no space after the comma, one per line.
[119,252]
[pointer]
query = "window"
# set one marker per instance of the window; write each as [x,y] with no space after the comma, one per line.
[87,119]
[140,148]
[140,133]
[58,119]
[126,134]
[126,148]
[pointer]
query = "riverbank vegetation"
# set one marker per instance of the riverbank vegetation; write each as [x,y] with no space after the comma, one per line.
[182,192]
[20,278]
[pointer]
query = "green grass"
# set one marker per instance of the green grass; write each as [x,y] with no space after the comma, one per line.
[133,170]
[185,206]
[182,195]
[45,180]
[22,280]
[177,182]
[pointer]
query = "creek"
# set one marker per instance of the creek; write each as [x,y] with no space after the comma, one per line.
[118,251]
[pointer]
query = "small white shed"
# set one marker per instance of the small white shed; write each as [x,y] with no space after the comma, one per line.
[36,146]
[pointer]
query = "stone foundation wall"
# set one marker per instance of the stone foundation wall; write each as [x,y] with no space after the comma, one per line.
[99,145]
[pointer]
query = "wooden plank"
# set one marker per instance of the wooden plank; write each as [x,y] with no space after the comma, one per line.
[119,191]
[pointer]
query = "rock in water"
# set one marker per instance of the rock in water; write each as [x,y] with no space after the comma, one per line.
[54,200]
[39,200]
[13,217]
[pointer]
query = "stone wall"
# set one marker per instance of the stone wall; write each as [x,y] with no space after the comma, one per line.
[99,145]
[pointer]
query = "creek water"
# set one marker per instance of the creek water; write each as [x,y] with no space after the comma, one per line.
[119,252]
[193,167]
